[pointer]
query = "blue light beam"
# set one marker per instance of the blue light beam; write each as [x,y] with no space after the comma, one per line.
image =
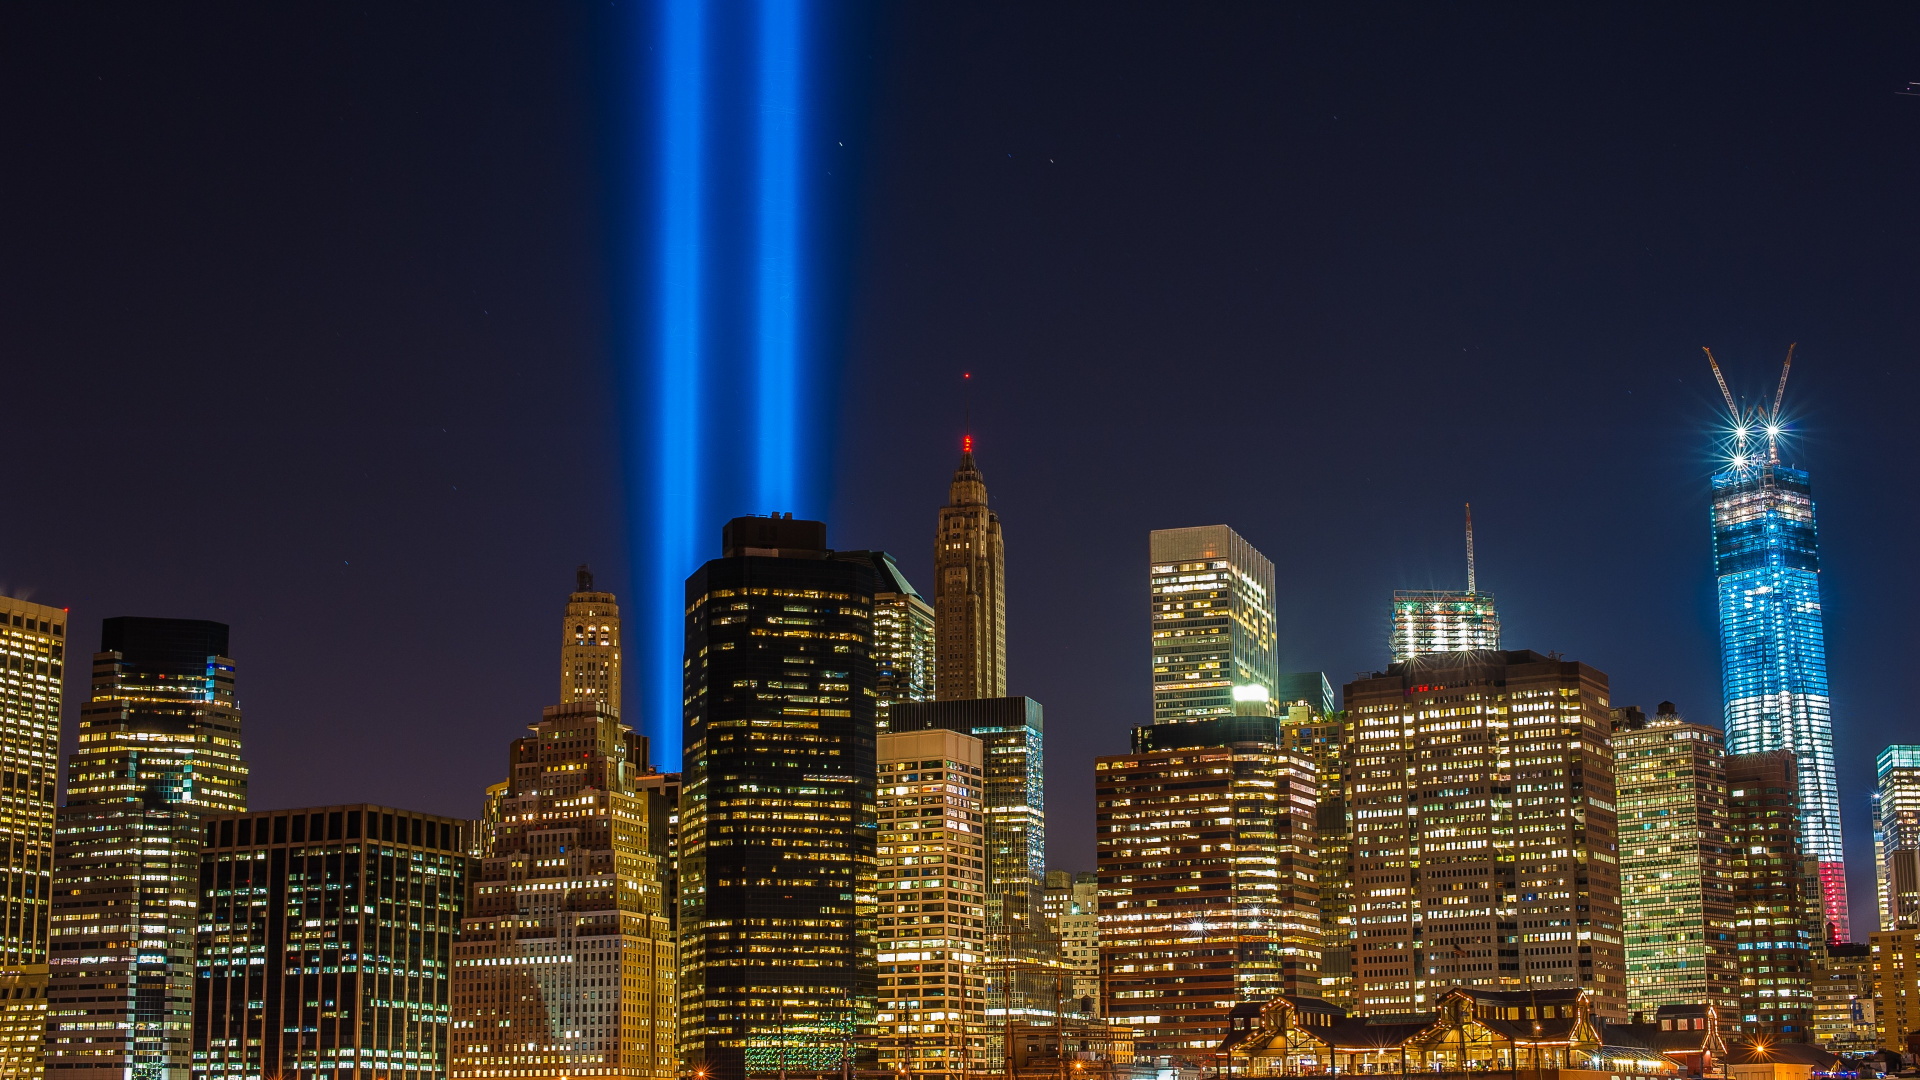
[777,343]
[678,483]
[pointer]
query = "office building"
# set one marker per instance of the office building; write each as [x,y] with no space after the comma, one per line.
[1207,881]
[1776,895]
[1212,601]
[777,810]
[1766,555]
[590,645]
[1896,986]
[969,591]
[1481,792]
[1013,733]
[1325,742]
[903,638]
[159,750]
[1073,919]
[932,884]
[1310,688]
[565,963]
[1896,836]
[1676,869]
[1843,1018]
[33,640]
[325,943]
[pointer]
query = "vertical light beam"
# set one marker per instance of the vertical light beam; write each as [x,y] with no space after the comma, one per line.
[777,346]
[677,484]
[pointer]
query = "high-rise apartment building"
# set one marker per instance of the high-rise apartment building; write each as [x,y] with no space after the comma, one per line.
[1776,895]
[777,809]
[903,638]
[1207,880]
[159,750]
[1896,986]
[325,943]
[1481,793]
[969,591]
[1766,555]
[1213,605]
[33,640]
[1013,732]
[1676,869]
[590,645]
[565,962]
[932,883]
[1896,836]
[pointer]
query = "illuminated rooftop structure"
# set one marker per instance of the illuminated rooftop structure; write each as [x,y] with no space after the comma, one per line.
[1773,654]
[1441,620]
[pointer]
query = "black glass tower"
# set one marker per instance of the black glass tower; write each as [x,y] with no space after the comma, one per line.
[778,818]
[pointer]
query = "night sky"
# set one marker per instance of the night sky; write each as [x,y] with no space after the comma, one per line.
[310,323]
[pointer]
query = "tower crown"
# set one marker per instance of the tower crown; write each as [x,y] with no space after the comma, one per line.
[969,487]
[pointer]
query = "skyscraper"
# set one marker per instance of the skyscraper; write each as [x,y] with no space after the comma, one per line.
[1434,621]
[1481,794]
[565,962]
[1676,863]
[777,812]
[32,664]
[1212,601]
[1776,895]
[326,943]
[1896,836]
[590,645]
[903,638]
[1014,734]
[1773,652]
[932,883]
[969,591]
[159,750]
[1207,880]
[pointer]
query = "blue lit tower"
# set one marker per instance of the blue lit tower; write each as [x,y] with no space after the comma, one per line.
[1766,556]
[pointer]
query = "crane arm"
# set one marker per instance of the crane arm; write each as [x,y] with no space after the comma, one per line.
[1774,417]
[1732,409]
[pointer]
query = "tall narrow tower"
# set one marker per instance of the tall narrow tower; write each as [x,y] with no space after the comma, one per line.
[1773,653]
[590,646]
[969,591]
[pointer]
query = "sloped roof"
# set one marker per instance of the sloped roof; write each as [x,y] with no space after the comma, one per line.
[1742,1052]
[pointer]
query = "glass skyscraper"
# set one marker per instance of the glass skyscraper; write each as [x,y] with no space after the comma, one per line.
[1766,556]
[1212,601]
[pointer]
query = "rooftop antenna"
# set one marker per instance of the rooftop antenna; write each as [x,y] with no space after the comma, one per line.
[1470,582]
[1773,418]
[966,411]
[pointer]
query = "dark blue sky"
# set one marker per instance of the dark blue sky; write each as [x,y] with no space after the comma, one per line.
[310,323]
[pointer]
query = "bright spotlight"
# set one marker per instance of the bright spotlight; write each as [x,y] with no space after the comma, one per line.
[1773,430]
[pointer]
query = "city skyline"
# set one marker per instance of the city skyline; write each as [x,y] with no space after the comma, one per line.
[416,425]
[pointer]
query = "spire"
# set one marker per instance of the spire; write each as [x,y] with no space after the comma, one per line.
[583,579]
[1470,582]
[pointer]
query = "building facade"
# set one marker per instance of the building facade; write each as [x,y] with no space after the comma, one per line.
[1325,741]
[1896,836]
[590,645]
[932,883]
[969,591]
[1014,736]
[1776,895]
[1843,1017]
[1212,613]
[777,807]
[903,639]
[1436,621]
[1073,917]
[159,750]
[1208,893]
[1676,866]
[1896,986]
[33,659]
[1766,554]
[325,943]
[1481,792]
[565,962]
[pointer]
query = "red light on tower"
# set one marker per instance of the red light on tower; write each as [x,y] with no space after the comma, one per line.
[966,444]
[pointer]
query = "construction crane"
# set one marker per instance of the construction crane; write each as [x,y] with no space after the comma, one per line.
[1470,583]
[1769,420]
